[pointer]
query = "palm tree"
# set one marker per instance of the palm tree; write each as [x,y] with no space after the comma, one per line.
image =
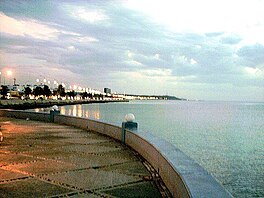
[61,91]
[27,91]
[4,90]
[38,91]
[72,94]
[46,91]
[84,95]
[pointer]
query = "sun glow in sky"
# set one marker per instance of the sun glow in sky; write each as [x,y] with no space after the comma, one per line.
[191,49]
[9,73]
[203,15]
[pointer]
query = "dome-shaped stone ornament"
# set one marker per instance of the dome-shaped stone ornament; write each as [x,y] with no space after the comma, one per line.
[130,117]
[55,108]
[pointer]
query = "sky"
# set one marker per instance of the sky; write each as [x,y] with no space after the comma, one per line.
[205,50]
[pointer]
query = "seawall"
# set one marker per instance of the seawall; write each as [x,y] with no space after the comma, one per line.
[182,175]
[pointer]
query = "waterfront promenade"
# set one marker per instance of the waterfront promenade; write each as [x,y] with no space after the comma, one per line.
[39,159]
[31,104]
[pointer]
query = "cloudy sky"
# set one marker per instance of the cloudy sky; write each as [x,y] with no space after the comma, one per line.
[211,50]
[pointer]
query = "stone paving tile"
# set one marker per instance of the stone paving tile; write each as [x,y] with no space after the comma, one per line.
[126,154]
[40,167]
[49,152]
[88,148]
[20,148]
[142,189]
[132,168]
[49,137]
[6,175]
[83,140]
[45,127]
[48,160]
[10,158]
[30,188]
[83,195]
[91,160]
[72,133]
[92,179]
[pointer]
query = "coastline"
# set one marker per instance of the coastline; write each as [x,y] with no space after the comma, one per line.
[31,104]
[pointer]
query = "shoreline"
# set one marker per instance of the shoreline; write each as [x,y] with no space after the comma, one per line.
[31,104]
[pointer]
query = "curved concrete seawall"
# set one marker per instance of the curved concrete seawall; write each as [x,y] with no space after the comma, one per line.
[182,175]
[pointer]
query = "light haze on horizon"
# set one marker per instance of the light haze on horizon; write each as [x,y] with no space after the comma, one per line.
[209,50]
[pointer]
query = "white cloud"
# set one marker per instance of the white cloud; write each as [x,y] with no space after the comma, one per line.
[181,59]
[129,54]
[71,48]
[184,60]
[19,59]
[89,15]
[192,61]
[37,30]
[253,71]
[157,56]
[156,72]
[86,39]
[242,17]
[27,27]
[133,63]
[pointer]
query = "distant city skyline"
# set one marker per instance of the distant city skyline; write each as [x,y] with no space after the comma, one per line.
[206,50]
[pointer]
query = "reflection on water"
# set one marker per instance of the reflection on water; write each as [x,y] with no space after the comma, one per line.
[74,110]
[41,109]
[77,110]
[62,110]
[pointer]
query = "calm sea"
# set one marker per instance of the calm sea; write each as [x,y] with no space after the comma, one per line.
[226,138]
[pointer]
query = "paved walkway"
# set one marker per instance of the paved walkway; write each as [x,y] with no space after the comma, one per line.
[48,160]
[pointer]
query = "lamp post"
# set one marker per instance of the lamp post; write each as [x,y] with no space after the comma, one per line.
[37,81]
[128,124]
[0,78]
[55,83]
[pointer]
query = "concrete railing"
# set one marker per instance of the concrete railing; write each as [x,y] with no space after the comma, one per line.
[182,175]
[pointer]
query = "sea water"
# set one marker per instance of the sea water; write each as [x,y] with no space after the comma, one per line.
[226,138]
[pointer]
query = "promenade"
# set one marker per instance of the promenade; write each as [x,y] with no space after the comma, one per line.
[40,159]
[31,104]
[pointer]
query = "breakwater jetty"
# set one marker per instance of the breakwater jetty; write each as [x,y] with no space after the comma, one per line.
[31,104]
